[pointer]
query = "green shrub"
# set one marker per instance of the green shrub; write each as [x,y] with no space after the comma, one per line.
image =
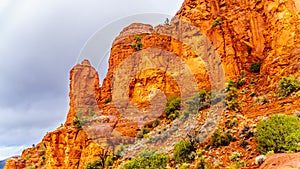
[76,122]
[217,22]
[155,123]
[288,85]
[235,156]
[137,45]
[201,101]
[241,80]
[120,149]
[201,163]
[105,161]
[198,102]
[27,157]
[32,166]
[255,67]
[95,165]
[183,150]
[280,133]
[132,164]
[107,100]
[149,160]
[140,135]
[184,166]
[270,152]
[146,153]
[172,107]
[143,131]
[231,96]
[109,160]
[220,139]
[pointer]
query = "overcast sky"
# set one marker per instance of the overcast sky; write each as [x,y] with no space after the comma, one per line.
[40,42]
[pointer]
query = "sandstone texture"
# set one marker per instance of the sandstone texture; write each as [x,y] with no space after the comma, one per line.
[207,43]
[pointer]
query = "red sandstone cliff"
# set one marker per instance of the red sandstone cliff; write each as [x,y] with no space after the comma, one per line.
[249,31]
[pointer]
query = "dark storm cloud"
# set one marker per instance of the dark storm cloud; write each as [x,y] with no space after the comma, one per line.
[39,43]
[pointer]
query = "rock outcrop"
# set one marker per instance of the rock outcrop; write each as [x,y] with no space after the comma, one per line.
[204,45]
[282,161]
[244,32]
[68,146]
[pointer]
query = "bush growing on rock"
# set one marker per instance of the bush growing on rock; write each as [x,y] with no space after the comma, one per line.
[288,85]
[173,107]
[217,22]
[95,165]
[183,151]
[143,131]
[280,133]
[255,67]
[149,160]
[220,139]
[107,100]
[231,96]
[77,123]
[137,45]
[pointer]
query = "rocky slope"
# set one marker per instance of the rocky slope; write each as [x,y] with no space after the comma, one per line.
[216,40]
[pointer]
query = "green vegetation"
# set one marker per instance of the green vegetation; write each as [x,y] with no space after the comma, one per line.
[198,102]
[241,80]
[184,166]
[173,107]
[280,133]
[184,151]
[236,156]
[201,101]
[91,112]
[231,123]
[120,149]
[220,138]
[100,164]
[148,159]
[76,122]
[95,165]
[107,100]
[217,22]
[27,157]
[42,161]
[142,133]
[32,166]
[270,152]
[146,153]
[201,163]
[155,123]
[255,67]
[137,45]
[109,161]
[231,96]
[288,86]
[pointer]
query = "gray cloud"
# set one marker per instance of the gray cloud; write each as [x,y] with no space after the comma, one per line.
[40,42]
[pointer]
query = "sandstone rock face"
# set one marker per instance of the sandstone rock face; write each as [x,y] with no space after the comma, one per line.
[84,91]
[205,44]
[13,163]
[68,146]
[251,31]
[282,161]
